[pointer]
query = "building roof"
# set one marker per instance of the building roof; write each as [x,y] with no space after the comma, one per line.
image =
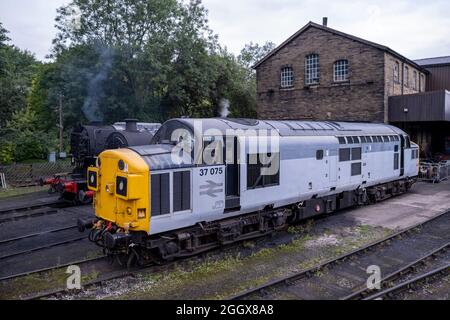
[433,61]
[342,34]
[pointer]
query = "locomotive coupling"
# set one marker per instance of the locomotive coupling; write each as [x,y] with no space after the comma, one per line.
[117,240]
[84,224]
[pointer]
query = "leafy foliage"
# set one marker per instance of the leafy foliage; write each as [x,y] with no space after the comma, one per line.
[253,52]
[147,59]
[3,35]
[16,70]
[20,139]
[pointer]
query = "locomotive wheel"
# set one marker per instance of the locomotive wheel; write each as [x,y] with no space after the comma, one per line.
[155,258]
[122,259]
[52,190]
[378,195]
[395,189]
[134,259]
[82,198]
[131,260]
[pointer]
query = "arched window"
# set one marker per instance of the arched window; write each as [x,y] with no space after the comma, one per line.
[340,70]
[415,80]
[396,72]
[312,69]
[287,77]
[406,77]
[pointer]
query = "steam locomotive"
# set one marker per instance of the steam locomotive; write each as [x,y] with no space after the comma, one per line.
[86,143]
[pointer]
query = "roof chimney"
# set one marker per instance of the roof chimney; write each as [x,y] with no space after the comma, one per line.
[131,125]
[324,21]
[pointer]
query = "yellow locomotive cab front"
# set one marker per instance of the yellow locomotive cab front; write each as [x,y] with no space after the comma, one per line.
[121,185]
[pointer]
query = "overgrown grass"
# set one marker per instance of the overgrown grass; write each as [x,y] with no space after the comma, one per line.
[12,192]
[222,278]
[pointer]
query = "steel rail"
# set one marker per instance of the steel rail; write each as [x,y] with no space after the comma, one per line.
[364,291]
[37,234]
[30,207]
[51,245]
[120,274]
[31,213]
[312,270]
[36,271]
[111,276]
[408,284]
[167,265]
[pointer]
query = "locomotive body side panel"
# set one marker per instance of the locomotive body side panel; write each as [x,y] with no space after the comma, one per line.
[206,191]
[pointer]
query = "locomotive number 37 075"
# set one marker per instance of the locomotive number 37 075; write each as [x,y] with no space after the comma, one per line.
[210,171]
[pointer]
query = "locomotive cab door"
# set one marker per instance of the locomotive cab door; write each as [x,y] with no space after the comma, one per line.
[333,165]
[232,176]
[402,155]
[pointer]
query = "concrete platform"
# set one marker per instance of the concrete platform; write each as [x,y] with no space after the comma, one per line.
[423,201]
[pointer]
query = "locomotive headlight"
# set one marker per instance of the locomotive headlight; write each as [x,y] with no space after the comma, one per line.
[129,211]
[92,178]
[121,186]
[128,186]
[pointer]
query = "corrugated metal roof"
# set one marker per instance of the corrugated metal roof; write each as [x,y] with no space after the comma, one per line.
[433,61]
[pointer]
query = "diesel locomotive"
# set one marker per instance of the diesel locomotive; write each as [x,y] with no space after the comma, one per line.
[86,143]
[203,183]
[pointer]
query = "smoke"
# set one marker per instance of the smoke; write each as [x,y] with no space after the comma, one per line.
[224,105]
[95,90]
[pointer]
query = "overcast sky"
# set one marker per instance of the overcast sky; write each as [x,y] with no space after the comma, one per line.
[414,28]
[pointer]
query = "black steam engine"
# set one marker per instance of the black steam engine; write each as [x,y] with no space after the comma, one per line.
[86,143]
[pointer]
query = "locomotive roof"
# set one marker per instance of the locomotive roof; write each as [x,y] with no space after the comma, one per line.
[283,127]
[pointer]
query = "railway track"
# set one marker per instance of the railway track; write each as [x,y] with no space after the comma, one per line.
[36,234]
[285,281]
[45,246]
[32,206]
[119,274]
[19,213]
[399,278]
[114,274]
[411,284]
[44,270]
[337,278]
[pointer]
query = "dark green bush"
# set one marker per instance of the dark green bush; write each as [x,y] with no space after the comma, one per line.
[29,145]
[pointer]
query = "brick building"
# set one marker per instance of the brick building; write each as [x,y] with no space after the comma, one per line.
[320,73]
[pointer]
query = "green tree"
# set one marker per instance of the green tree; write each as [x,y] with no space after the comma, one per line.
[20,140]
[16,70]
[253,52]
[156,66]
[3,35]
[151,59]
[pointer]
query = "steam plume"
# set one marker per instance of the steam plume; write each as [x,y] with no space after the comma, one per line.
[224,108]
[95,90]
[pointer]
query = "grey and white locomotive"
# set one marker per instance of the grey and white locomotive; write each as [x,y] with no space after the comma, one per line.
[207,182]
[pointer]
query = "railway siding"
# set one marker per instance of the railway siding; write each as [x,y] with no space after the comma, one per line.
[255,262]
[339,277]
